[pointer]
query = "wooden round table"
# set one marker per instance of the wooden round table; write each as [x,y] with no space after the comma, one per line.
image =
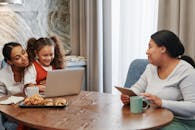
[88,110]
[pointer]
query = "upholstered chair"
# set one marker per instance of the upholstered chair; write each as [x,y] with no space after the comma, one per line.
[136,69]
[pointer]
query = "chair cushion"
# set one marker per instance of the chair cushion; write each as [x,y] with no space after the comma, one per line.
[136,69]
[2,64]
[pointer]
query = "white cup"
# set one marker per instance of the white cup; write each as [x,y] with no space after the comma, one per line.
[29,91]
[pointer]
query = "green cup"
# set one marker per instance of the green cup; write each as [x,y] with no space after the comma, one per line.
[136,104]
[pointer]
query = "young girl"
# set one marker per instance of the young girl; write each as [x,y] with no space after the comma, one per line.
[45,54]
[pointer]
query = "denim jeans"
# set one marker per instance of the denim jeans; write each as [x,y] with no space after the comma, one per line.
[7,124]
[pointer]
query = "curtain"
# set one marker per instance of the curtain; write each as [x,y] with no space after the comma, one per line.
[179,17]
[110,42]
[95,43]
[133,23]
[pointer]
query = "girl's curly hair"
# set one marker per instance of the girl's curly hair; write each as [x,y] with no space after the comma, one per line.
[34,44]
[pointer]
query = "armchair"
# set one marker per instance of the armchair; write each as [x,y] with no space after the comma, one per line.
[136,69]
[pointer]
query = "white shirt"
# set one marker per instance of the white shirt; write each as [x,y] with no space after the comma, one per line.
[8,86]
[177,91]
[31,74]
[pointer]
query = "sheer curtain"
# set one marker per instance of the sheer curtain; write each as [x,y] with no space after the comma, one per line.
[133,21]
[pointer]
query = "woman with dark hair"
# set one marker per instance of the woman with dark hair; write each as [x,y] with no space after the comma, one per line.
[168,80]
[11,81]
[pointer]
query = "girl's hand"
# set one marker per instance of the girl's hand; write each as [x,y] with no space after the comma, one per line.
[125,99]
[43,82]
[41,88]
[155,101]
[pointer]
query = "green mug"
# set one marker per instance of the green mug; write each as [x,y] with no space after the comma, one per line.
[136,104]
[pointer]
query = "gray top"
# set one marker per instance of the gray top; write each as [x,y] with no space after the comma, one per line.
[177,91]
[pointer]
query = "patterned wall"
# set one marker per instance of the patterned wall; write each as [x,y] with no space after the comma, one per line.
[35,18]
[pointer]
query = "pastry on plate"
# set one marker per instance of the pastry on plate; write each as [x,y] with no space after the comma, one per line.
[48,102]
[60,102]
[34,100]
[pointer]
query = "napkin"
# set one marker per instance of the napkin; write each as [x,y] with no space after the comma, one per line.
[12,99]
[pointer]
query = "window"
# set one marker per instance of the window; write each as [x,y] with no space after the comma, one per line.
[133,21]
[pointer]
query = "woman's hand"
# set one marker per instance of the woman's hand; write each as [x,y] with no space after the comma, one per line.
[125,99]
[155,101]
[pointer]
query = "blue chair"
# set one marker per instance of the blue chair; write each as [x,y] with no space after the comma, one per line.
[136,69]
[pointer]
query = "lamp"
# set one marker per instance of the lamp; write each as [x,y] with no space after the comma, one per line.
[5,2]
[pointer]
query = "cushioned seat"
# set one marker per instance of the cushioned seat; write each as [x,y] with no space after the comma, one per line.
[2,64]
[136,68]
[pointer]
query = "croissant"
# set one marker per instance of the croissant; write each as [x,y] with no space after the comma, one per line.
[60,102]
[48,102]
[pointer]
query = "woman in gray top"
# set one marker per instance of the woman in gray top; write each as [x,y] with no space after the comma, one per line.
[168,80]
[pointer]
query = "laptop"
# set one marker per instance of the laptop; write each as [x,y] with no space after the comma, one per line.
[64,82]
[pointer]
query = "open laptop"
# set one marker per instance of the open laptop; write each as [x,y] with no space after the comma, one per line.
[64,82]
